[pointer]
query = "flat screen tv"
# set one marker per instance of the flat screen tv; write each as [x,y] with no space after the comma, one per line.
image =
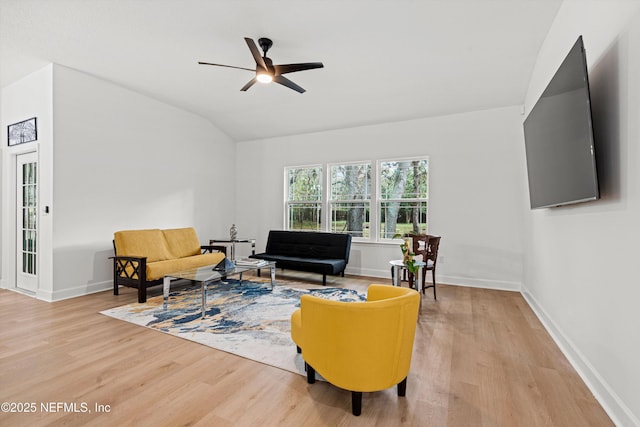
[558,134]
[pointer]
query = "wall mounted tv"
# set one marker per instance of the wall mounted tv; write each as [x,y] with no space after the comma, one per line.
[558,134]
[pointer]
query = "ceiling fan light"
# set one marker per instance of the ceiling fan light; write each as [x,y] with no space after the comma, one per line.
[264,78]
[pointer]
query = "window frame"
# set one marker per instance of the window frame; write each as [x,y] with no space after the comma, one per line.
[288,203]
[380,200]
[329,195]
[375,199]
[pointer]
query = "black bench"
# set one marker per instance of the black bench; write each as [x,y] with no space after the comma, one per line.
[315,252]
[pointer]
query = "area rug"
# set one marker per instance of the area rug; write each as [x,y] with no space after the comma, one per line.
[247,319]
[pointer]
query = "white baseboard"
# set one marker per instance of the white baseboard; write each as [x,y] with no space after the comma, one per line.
[369,272]
[449,280]
[499,285]
[58,295]
[619,413]
[78,291]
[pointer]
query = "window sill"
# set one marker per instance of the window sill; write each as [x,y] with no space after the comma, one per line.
[378,243]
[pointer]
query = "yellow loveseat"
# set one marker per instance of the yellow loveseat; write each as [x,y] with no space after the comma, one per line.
[358,346]
[143,257]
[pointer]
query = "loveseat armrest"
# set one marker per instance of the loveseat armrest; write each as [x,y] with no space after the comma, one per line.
[130,271]
[213,248]
[130,267]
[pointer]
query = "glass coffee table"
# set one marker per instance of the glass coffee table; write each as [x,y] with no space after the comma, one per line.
[207,275]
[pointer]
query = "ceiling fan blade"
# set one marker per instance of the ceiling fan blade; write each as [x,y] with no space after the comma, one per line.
[288,83]
[255,52]
[228,66]
[291,68]
[249,84]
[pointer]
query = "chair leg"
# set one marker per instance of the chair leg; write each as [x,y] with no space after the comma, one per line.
[402,387]
[433,275]
[311,374]
[356,402]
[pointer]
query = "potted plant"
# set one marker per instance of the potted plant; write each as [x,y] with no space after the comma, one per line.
[408,257]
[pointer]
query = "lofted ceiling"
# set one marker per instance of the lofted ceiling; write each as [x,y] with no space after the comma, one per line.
[385,60]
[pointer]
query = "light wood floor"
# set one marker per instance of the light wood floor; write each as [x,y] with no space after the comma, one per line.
[481,358]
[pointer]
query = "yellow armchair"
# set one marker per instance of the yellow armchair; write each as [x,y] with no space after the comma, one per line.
[358,346]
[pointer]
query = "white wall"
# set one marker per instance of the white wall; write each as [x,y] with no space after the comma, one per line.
[476,189]
[126,161]
[29,97]
[581,271]
[121,161]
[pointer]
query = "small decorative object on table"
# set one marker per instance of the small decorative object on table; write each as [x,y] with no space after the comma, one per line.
[233,232]
[408,258]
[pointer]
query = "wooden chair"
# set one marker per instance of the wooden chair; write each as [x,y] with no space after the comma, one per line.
[427,246]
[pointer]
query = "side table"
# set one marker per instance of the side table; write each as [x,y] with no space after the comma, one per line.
[232,245]
[396,268]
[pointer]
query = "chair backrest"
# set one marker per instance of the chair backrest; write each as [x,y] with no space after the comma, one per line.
[182,242]
[142,243]
[420,244]
[156,244]
[361,346]
[432,250]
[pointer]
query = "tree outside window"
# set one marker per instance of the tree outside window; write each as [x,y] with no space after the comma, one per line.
[403,197]
[304,198]
[350,200]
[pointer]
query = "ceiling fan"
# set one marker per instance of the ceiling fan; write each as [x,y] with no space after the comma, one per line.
[265,70]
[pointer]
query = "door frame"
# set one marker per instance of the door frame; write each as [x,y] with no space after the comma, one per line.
[26,282]
[9,215]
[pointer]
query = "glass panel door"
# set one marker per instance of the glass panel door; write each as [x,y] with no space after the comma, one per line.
[27,221]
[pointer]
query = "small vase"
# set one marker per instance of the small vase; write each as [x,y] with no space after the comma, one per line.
[233,232]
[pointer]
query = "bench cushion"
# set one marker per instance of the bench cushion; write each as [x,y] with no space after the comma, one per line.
[139,243]
[314,265]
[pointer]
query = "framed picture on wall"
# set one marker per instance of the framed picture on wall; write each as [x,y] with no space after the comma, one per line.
[21,132]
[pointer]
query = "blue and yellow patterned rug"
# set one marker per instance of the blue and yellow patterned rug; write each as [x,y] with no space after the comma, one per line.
[247,319]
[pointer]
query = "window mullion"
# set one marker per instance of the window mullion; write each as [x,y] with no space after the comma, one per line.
[326,199]
[374,218]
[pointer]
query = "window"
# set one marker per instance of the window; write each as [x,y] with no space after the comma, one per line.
[304,198]
[350,200]
[403,197]
[372,201]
